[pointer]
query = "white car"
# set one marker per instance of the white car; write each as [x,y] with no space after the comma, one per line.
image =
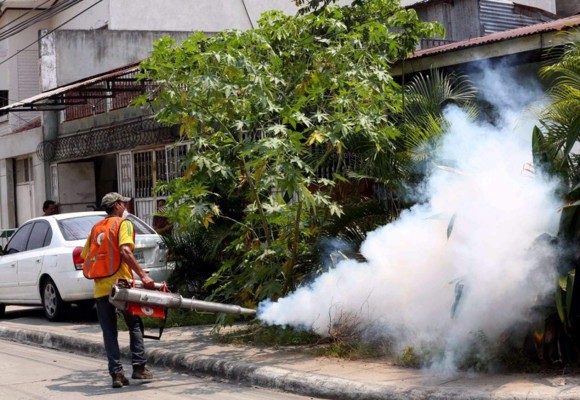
[42,265]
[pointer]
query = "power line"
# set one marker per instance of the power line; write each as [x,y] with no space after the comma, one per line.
[41,16]
[248,14]
[49,32]
[26,13]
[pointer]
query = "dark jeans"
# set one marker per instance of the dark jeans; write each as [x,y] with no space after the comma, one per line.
[108,321]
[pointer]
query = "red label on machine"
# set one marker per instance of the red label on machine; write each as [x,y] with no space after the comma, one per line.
[146,311]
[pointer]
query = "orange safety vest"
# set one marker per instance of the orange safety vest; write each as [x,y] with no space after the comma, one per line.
[104,256]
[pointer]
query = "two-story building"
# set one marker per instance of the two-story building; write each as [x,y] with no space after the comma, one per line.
[66,79]
[69,135]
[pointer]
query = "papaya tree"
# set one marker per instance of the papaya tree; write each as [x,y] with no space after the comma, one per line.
[274,116]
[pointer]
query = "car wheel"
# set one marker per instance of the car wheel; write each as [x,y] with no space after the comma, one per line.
[2,310]
[54,307]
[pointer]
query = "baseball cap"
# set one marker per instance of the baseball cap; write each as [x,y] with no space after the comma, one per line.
[111,198]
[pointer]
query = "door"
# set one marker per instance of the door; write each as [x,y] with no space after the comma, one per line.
[24,182]
[15,250]
[24,202]
[8,277]
[125,173]
[76,186]
[54,182]
[30,266]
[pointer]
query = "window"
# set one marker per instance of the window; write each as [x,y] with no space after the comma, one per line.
[19,240]
[78,228]
[3,101]
[175,156]
[39,237]
[141,228]
[143,164]
[149,169]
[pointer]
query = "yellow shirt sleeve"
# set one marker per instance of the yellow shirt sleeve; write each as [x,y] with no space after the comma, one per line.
[126,234]
[85,251]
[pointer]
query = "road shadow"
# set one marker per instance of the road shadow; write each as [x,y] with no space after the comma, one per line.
[96,383]
[74,313]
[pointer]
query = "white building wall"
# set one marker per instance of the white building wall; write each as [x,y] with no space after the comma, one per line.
[95,17]
[102,41]
[7,214]
[129,39]
[188,15]
[100,50]
[20,144]
[11,46]
[17,146]
[88,14]
[19,72]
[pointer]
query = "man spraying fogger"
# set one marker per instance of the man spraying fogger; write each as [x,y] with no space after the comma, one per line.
[108,255]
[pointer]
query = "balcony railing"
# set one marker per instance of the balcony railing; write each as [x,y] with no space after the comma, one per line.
[429,43]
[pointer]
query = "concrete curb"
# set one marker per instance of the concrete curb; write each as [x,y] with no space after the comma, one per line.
[302,383]
[53,341]
[270,377]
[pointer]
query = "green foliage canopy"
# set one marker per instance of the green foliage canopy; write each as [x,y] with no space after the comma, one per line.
[264,110]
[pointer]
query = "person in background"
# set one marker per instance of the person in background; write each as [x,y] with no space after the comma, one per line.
[49,207]
[108,255]
[160,223]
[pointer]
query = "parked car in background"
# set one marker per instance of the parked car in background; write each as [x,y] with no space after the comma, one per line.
[42,265]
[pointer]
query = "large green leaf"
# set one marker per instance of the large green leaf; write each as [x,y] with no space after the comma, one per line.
[561,299]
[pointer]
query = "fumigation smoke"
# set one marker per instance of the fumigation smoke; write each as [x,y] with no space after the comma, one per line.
[409,287]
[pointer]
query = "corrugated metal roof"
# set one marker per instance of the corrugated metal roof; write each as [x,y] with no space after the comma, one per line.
[499,17]
[552,26]
[40,99]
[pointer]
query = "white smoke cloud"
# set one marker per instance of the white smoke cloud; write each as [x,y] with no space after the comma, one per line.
[407,287]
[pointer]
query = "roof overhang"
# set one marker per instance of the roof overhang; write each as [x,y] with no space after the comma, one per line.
[527,39]
[99,86]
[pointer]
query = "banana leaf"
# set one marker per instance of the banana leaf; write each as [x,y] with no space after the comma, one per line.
[560,299]
[569,294]
[564,295]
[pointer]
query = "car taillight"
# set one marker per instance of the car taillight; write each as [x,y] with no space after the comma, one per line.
[78,260]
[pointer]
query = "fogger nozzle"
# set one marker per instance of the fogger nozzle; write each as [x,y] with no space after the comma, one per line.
[120,296]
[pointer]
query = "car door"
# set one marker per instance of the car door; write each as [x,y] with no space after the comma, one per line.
[29,267]
[14,251]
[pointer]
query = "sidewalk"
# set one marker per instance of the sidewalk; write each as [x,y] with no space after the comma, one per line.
[191,349]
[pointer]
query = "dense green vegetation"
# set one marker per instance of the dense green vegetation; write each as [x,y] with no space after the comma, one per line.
[290,124]
[554,143]
[283,120]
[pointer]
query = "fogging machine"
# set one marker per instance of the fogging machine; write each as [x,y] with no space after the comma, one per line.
[131,296]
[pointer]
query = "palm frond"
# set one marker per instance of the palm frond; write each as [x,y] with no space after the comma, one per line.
[427,97]
[560,121]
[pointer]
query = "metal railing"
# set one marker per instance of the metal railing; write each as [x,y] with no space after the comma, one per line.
[429,43]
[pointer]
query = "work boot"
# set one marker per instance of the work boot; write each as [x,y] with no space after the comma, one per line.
[119,379]
[140,372]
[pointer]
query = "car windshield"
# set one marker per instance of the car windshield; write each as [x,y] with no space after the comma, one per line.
[141,228]
[79,227]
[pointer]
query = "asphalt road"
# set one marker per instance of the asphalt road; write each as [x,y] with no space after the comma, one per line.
[37,373]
